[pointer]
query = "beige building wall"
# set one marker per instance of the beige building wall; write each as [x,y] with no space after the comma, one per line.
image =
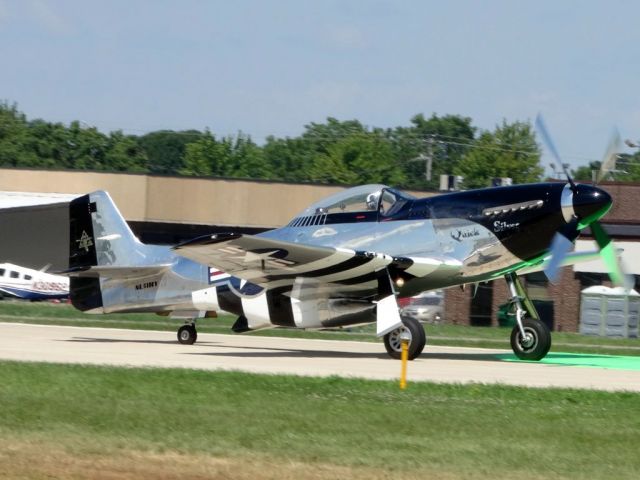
[206,201]
[228,202]
[128,191]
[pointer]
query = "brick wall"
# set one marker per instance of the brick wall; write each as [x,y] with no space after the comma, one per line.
[457,306]
[500,296]
[625,202]
[565,294]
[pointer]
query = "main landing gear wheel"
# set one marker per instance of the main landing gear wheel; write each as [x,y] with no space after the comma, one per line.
[535,344]
[417,339]
[187,334]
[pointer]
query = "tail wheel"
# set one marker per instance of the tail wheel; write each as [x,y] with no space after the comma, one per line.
[536,342]
[417,339]
[187,334]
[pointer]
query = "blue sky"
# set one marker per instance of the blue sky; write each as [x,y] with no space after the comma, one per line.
[270,67]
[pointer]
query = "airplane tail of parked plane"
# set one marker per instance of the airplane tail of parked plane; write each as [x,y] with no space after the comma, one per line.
[102,247]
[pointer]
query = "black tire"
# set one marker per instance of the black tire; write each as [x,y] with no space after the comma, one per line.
[538,345]
[416,343]
[187,334]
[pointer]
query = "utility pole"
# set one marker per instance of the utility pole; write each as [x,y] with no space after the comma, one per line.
[429,157]
[426,158]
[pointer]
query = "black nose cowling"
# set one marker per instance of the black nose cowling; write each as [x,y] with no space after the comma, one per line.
[590,203]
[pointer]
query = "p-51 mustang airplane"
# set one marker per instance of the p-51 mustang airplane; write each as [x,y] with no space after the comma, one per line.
[343,260]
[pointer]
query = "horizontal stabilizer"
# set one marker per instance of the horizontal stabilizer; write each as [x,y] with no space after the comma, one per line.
[115,272]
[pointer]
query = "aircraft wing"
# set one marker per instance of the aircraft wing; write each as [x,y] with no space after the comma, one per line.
[267,262]
[328,271]
[273,263]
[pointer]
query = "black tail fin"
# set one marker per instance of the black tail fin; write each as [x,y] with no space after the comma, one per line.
[84,293]
[82,248]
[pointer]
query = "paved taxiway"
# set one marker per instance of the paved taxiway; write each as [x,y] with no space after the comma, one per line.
[291,356]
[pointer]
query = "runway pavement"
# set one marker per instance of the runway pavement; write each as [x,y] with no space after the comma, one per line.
[294,356]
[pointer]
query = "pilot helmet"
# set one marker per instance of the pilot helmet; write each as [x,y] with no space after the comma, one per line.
[372,200]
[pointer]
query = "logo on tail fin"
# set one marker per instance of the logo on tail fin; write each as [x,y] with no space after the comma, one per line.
[85,241]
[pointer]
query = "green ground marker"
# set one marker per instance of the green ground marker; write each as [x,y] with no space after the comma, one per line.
[614,362]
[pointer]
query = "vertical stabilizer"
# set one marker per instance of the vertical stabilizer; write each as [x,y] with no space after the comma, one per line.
[98,236]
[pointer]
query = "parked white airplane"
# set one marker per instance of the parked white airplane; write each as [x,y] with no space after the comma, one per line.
[30,284]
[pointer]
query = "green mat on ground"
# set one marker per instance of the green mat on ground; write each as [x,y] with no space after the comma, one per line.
[616,362]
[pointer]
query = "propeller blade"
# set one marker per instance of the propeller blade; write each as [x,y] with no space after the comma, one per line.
[546,139]
[610,156]
[561,245]
[610,257]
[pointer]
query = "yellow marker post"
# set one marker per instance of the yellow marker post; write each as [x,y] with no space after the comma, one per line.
[404,357]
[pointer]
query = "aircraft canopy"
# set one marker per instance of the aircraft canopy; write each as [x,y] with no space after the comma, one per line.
[358,199]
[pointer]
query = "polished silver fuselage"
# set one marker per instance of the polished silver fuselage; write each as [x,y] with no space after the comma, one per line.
[479,250]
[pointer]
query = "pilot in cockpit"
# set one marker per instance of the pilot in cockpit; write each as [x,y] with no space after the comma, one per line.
[372,200]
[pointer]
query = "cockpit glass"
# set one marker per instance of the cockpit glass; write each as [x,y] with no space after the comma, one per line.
[356,199]
[392,201]
[366,198]
[388,201]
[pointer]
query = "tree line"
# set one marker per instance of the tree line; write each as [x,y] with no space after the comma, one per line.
[332,152]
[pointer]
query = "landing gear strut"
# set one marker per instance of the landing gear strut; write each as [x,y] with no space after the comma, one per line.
[530,338]
[187,334]
[417,339]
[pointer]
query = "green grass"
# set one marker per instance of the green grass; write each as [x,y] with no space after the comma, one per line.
[450,431]
[451,335]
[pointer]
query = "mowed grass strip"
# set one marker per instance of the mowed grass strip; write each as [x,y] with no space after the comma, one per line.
[40,460]
[332,425]
[447,335]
